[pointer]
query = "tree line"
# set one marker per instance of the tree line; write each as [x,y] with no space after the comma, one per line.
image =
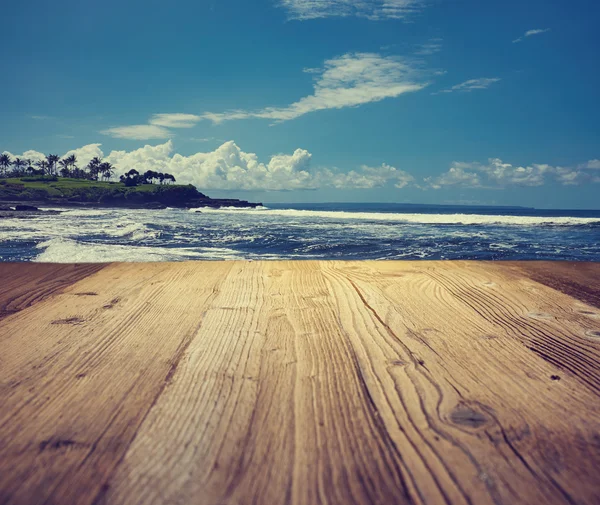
[133,178]
[96,169]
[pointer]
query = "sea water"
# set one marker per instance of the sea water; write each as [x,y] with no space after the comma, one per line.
[317,231]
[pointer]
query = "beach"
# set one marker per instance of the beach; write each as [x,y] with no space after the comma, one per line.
[306,382]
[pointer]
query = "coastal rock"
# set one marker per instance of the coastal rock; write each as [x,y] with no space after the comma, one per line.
[28,208]
[154,206]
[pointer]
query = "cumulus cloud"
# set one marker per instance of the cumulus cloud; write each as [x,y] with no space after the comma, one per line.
[470,85]
[85,154]
[592,164]
[529,33]
[347,81]
[498,174]
[138,132]
[230,168]
[371,9]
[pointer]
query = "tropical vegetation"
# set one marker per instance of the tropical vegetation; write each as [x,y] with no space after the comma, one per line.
[96,170]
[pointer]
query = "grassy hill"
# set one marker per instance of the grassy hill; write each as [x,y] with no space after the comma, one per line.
[65,190]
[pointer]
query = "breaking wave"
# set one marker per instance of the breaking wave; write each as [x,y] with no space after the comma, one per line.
[107,235]
[458,219]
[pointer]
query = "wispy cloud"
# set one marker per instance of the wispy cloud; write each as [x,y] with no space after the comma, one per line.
[498,174]
[175,120]
[348,81]
[471,85]
[138,132]
[431,47]
[371,9]
[529,33]
[157,127]
[204,139]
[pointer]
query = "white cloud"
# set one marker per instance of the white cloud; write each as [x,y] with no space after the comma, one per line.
[348,81]
[470,85]
[138,132]
[592,165]
[497,174]
[27,155]
[175,120]
[230,168]
[529,33]
[365,178]
[370,9]
[457,176]
[85,154]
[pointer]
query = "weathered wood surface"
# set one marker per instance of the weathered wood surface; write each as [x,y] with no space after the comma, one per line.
[300,382]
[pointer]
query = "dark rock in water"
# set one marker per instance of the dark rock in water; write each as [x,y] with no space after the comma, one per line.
[154,206]
[6,208]
[223,202]
[30,208]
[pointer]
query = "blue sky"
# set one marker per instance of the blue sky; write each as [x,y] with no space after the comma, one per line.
[436,101]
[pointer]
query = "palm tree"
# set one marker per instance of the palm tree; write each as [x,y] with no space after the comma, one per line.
[29,168]
[94,167]
[107,170]
[72,161]
[64,167]
[52,160]
[4,163]
[18,165]
[43,166]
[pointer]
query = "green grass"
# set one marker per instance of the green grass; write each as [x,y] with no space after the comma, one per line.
[81,190]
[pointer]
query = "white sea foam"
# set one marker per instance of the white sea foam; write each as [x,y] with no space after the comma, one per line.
[466,219]
[58,250]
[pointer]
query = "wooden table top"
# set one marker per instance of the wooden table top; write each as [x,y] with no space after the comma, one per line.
[301,383]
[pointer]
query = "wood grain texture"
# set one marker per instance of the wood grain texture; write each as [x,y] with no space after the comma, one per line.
[20,289]
[304,383]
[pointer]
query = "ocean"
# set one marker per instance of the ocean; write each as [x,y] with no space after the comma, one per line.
[306,231]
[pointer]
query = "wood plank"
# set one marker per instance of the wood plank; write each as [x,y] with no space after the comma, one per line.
[482,411]
[304,383]
[382,385]
[266,407]
[579,280]
[24,284]
[78,374]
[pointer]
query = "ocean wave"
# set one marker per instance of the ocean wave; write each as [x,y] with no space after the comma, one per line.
[133,231]
[59,250]
[441,219]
